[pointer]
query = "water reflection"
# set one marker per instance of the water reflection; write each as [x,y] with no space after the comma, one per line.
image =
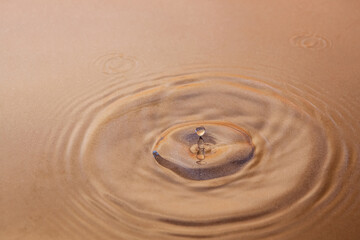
[271,157]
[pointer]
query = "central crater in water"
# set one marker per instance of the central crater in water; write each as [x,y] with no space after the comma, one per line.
[204,150]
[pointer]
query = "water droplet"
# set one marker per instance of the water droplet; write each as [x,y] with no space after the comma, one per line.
[222,151]
[200,131]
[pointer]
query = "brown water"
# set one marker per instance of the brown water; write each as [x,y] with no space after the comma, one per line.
[101,104]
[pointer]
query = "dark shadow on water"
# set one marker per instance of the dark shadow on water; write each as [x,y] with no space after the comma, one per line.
[203,173]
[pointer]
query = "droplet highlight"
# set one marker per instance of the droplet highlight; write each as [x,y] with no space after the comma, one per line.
[200,131]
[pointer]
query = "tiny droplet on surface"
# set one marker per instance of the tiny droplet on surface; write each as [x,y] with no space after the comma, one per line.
[200,131]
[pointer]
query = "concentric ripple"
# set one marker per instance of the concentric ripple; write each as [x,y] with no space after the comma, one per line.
[310,41]
[291,159]
[114,63]
[220,149]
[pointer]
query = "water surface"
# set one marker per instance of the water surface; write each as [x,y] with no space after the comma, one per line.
[101,104]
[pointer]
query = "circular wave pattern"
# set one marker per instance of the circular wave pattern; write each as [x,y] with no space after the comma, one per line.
[115,188]
[310,41]
[115,63]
